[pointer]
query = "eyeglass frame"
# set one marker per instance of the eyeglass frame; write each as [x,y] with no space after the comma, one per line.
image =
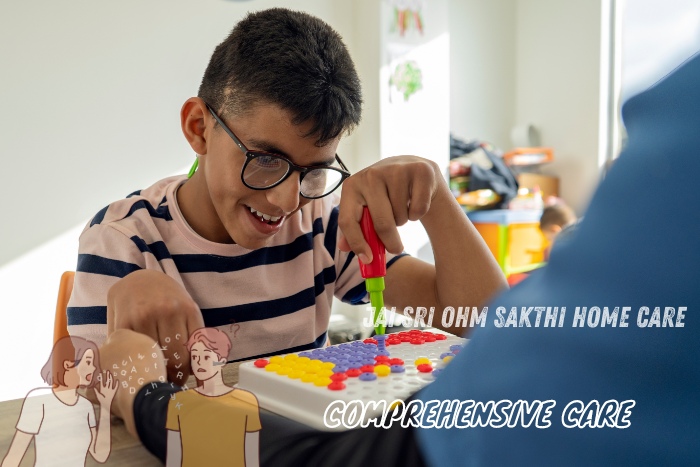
[250,155]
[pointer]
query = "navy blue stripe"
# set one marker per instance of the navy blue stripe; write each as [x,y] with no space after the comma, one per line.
[392,260]
[108,267]
[327,276]
[317,344]
[317,226]
[332,232]
[270,308]
[355,295]
[98,315]
[263,256]
[87,315]
[157,249]
[161,213]
[135,193]
[140,244]
[99,217]
[351,256]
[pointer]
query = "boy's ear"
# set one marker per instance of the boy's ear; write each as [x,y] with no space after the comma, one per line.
[67,365]
[193,118]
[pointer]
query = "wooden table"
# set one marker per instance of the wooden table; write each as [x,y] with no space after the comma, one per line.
[126,450]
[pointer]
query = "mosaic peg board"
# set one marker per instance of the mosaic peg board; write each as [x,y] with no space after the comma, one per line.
[301,385]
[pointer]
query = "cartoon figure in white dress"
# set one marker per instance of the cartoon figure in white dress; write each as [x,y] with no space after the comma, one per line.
[59,419]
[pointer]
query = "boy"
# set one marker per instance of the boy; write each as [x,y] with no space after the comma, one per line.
[252,238]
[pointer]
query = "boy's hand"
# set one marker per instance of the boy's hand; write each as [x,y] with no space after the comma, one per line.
[152,303]
[395,190]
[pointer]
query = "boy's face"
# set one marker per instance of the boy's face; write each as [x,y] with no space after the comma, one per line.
[226,202]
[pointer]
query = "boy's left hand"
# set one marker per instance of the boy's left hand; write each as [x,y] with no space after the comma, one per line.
[395,190]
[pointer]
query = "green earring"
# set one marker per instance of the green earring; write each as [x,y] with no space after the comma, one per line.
[193,169]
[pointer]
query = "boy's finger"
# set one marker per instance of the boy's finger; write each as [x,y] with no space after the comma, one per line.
[350,213]
[172,337]
[173,332]
[194,321]
[342,242]
[399,194]
[419,200]
[384,223]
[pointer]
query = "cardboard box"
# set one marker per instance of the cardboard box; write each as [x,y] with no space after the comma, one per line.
[547,183]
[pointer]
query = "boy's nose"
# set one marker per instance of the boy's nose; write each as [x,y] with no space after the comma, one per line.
[286,194]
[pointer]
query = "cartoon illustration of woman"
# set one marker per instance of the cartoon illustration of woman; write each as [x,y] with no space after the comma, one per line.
[58,418]
[212,424]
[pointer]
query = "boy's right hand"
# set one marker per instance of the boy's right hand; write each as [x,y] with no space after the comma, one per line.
[152,303]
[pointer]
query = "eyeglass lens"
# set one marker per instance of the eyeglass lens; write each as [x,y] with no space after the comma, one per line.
[265,171]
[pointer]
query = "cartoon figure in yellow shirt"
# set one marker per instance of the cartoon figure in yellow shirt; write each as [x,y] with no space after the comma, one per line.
[212,424]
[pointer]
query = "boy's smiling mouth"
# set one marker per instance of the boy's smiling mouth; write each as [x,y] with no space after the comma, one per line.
[265,218]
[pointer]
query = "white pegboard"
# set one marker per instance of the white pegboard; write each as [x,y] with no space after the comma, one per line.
[306,403]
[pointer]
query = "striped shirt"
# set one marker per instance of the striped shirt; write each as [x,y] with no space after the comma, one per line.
[269,300]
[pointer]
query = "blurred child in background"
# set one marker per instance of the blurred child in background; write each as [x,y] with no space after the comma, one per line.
[555,218]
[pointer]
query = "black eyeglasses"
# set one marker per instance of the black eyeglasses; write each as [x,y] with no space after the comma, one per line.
[263,170]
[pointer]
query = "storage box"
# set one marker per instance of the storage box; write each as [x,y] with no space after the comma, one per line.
[514,238]
[548,184]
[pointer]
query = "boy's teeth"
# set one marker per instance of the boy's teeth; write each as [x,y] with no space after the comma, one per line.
[266,217]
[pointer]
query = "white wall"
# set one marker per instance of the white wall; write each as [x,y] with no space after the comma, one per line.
[366,55]
[558,87]
[530,61]
[482,70]
[91,94]
[419,125]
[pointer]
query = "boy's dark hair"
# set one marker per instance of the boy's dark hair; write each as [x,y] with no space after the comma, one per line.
[290,59]
[558,214]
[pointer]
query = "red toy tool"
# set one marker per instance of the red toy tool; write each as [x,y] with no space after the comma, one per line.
[374,272]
